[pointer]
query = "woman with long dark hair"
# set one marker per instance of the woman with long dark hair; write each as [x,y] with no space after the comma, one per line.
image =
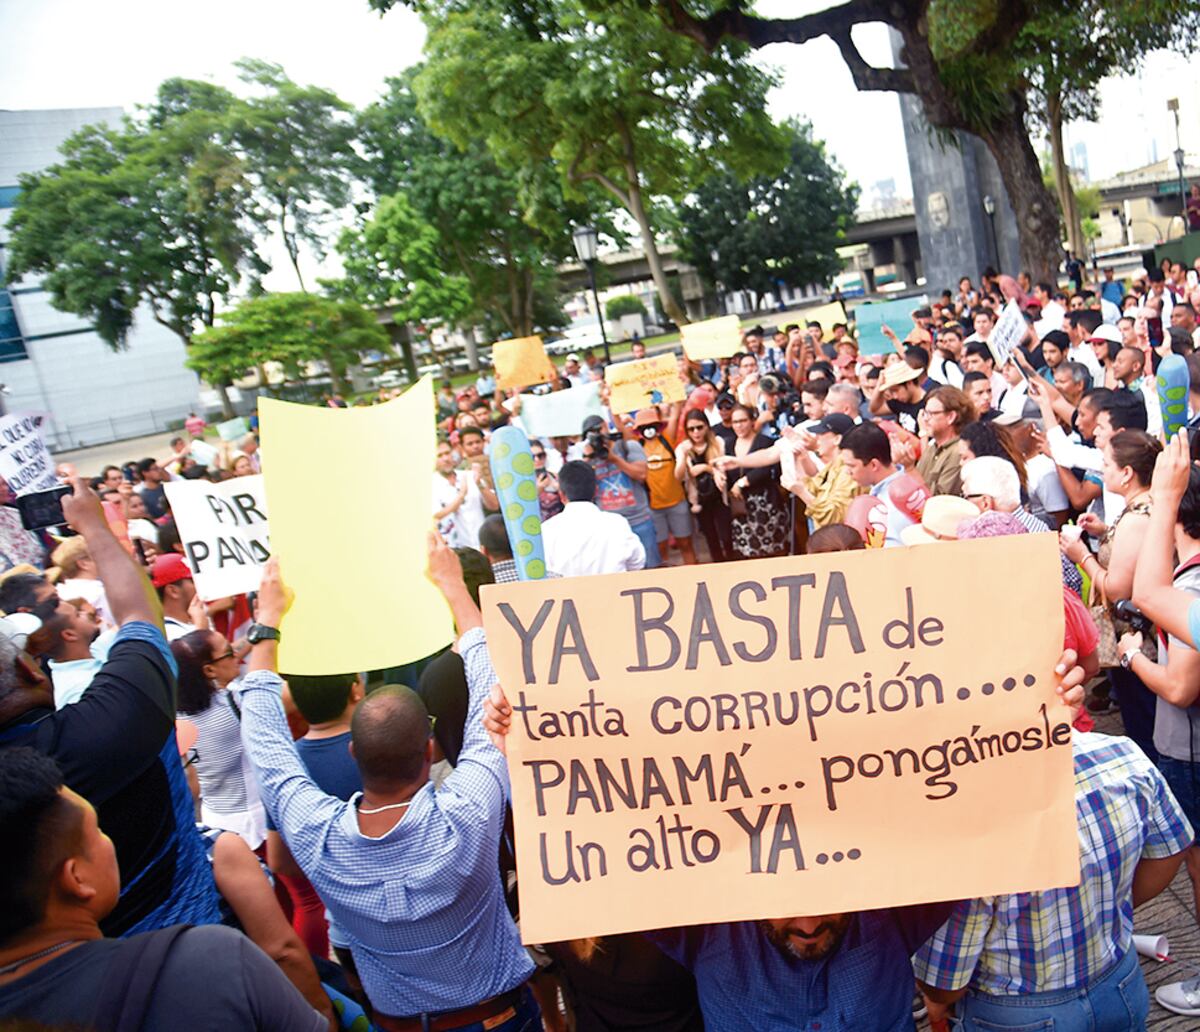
[694,465]
[760,514]
[229,797]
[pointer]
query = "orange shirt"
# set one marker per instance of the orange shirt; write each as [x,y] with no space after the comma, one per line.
[665,490]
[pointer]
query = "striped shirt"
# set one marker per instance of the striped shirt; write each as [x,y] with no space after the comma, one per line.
[1066,938]
[228,792]
[422,905]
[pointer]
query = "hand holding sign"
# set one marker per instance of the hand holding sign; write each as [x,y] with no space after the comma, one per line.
[645,780]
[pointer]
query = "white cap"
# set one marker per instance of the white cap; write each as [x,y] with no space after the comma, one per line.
[17,627]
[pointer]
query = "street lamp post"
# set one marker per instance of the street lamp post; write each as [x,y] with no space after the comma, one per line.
[989,209]
[586,245]
[1180,158]
[715,255]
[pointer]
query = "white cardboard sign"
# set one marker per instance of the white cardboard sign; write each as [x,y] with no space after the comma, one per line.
[224,530]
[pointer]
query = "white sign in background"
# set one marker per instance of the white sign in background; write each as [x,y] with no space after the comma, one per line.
[25,461]
[1007,334]
[223,527]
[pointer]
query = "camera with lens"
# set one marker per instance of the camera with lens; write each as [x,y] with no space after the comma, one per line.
[791,408]
[1127,611]
[597,441]
[772,383]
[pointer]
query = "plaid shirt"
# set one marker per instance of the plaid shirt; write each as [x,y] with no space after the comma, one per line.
[1066,938]
[421,905]
[505,571]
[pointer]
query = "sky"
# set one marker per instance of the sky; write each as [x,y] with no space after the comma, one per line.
[80,53]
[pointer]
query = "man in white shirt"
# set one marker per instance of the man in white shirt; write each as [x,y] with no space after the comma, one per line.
[172,580]
[574,372]
[585,539]
[480,493]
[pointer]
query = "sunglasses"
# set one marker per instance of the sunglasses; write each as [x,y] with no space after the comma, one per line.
[226,655]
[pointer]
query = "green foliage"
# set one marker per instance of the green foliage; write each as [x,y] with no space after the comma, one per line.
[293,329]
[297,145]
[157,210]
[394,258]
[618,101]
[771,229]
[506,250]
[625,304]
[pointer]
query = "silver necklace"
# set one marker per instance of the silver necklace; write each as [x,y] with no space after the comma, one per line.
[390,806]
[8,969]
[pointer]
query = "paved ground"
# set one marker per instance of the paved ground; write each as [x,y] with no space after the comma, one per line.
[89,461]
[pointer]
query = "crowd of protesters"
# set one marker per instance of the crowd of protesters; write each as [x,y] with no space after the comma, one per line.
[197,839]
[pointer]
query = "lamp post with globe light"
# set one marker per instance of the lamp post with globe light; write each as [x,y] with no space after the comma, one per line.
[587,243]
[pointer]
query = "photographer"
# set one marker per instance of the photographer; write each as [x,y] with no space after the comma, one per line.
[621,470]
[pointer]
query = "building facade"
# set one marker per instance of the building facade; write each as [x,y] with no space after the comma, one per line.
[54,362]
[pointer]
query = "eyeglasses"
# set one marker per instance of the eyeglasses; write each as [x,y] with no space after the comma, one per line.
[742,419]
[696,426]
[538,454]
[934,411]
[227,655]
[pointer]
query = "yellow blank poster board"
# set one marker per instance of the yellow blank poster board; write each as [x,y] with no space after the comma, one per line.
[826,315]
[521,363]
[712,338]
[360,604]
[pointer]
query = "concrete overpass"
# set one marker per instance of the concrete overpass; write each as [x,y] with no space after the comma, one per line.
[889,233]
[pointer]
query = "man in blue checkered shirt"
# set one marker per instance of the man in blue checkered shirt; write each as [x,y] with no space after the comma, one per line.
[1065,957]
[409,872]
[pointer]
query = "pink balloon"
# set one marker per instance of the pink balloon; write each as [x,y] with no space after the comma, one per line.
[868,515]
[909,495]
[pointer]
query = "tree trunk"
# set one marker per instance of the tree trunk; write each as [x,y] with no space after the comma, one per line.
[670,306]
[222,390]
[1037,222]
[337,385]
[1062,178]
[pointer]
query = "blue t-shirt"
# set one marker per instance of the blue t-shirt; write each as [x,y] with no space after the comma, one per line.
[330,764]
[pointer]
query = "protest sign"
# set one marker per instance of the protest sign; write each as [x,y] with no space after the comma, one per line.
[896,315]
[712,338]
[223,528]
[521,362]
[826,315]
[1007,334]
[775,738]
[233,430]
[645,381]
[560,413]
[354,609]
[25,461]
[204,453]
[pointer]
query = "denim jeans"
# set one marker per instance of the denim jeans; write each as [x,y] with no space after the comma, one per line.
[1117,1002]
[645,532]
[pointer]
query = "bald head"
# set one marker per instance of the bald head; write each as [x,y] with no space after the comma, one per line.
[390,734]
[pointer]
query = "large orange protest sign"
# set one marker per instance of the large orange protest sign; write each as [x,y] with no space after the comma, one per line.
[644,381]
[521,362]
[785,737]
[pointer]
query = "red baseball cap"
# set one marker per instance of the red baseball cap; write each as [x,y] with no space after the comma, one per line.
[168,569]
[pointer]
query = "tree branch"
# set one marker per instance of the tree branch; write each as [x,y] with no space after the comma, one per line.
[758,32]
[575,176]
[867,77]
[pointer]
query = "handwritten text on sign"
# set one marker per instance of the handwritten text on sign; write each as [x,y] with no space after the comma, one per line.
[760,739]
[25,461]
[642,382]
[224,532]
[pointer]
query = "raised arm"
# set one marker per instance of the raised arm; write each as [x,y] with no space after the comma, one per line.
[130,595]
[301,811]
[1153,593]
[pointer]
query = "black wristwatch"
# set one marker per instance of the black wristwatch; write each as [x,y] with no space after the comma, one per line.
[261,632]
